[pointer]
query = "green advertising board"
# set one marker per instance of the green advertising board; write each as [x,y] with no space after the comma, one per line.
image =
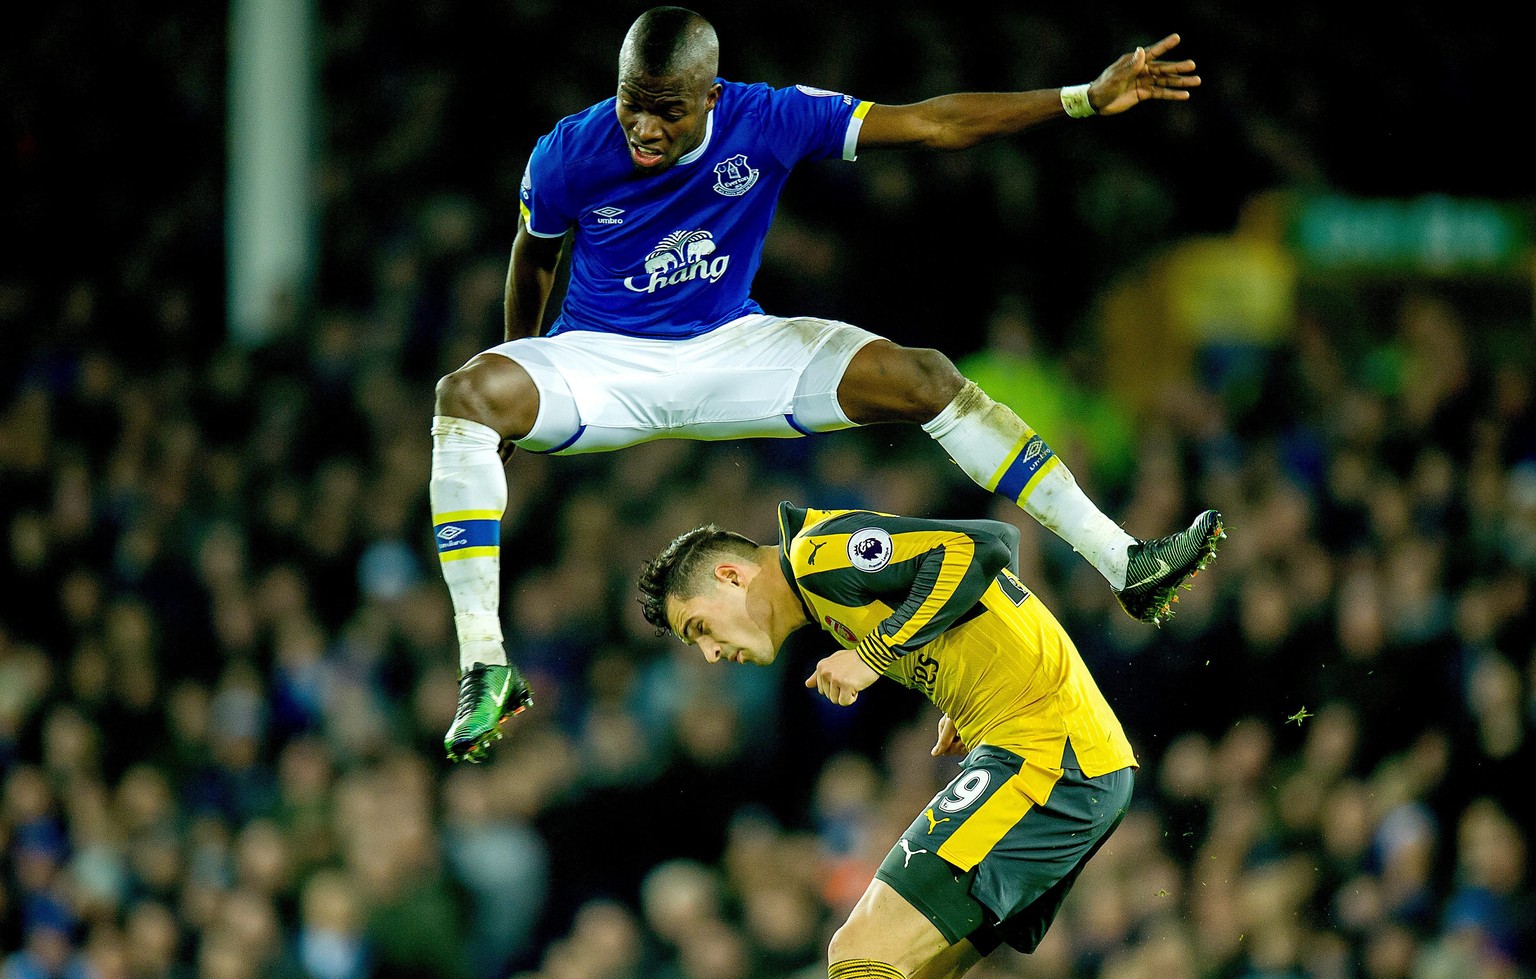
[1434,234]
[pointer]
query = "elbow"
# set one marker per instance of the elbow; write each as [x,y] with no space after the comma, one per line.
[959,134]
[951,139]
[997,546]
[936,132]
[995,554]
[1010,542]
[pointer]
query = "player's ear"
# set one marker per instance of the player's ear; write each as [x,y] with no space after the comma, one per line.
[738,574]
[712,96]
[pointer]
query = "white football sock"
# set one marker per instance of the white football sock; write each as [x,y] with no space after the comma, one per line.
[469,496]
[1005,456]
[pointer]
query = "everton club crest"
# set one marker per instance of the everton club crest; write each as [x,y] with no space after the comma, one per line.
[734,177]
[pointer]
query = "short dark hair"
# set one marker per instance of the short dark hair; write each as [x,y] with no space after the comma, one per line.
[681,568]
[669,41]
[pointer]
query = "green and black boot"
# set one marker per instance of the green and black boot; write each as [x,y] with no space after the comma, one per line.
[488,695]
[1156,568]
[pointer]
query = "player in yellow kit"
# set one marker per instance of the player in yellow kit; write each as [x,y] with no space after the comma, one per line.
[936,606]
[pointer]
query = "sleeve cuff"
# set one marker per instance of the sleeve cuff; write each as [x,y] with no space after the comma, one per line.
[855,123]
[528,224]
[878,656]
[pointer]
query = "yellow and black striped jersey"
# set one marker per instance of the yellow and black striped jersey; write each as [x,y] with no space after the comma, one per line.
[938,606]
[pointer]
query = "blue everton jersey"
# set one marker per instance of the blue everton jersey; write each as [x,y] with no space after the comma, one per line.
[672,254]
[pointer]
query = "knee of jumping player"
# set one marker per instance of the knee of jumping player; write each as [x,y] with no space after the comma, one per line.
[493,391]
[937,382]
[886,383]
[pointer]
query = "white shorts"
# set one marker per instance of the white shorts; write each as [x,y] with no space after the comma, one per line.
[755,377]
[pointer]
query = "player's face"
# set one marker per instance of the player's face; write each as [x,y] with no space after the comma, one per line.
[663,119]
[719,621]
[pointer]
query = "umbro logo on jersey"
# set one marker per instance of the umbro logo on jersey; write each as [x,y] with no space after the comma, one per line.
[681,256]
[609,215]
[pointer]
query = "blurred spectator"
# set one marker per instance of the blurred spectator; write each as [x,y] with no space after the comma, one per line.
[331,943]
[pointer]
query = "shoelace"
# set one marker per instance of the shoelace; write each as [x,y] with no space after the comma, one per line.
[470,691]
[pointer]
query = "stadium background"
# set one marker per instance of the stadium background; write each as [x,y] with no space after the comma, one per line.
[226,656]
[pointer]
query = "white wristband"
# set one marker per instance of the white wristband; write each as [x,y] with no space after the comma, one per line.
[1074,98]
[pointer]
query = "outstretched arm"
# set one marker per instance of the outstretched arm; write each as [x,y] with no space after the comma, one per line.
[952,122]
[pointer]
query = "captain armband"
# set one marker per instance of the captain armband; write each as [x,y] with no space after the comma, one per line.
[875,653]
[1074,98]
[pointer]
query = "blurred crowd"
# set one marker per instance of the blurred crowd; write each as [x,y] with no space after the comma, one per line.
[227,658]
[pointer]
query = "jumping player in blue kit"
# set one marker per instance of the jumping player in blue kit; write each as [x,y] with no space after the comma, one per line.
[666,193]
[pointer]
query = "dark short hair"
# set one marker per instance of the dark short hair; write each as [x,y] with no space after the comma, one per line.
[667,41]
[681,568]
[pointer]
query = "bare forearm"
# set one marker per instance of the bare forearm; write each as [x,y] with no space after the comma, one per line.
[528,289]
[962,120]
[954,122]
[530,278]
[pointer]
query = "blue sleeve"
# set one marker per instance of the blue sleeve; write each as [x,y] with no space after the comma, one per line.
[807,123]
[542,199]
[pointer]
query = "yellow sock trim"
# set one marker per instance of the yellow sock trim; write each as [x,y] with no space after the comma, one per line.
[1013,453]
[489,551]
[457,515]
[863,969]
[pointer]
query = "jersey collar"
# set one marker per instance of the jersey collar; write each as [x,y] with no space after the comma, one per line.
[791,522]
[698,151]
